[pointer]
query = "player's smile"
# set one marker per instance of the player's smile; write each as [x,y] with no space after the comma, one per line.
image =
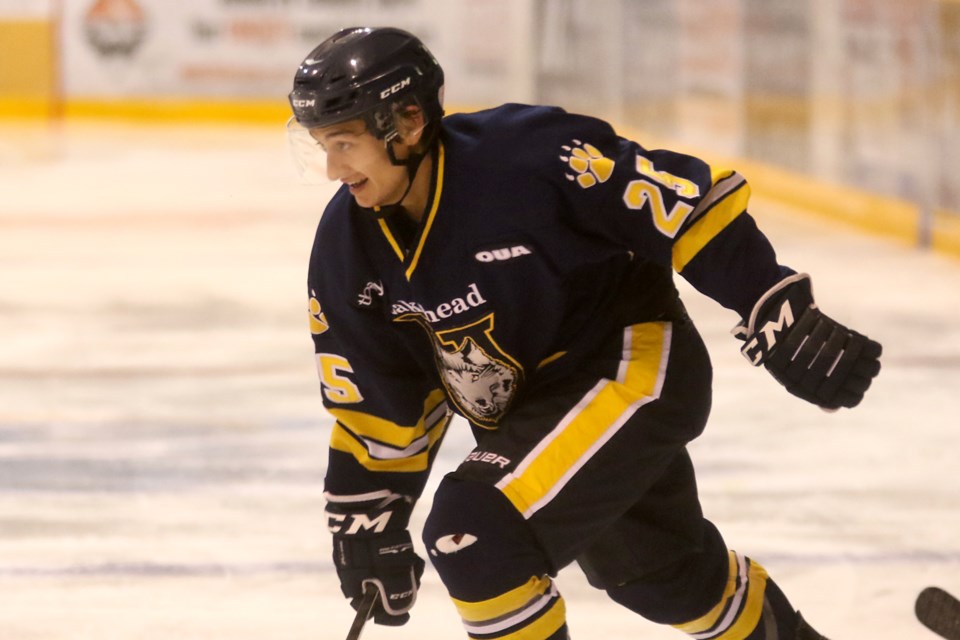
[381,183]
[355,186]
[356,158]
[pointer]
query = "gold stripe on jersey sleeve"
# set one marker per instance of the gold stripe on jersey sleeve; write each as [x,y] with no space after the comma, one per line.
[719,173]
[726,200]
[381,445]
[593,421]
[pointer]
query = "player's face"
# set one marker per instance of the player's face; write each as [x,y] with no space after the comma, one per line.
[359,160]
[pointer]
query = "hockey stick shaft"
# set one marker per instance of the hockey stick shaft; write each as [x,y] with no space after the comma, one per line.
[940,612]
[363,613]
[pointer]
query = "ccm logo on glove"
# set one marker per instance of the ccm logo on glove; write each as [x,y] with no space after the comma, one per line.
[752,351]
[351,524]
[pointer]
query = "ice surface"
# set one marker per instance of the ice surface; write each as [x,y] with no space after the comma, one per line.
[162,440]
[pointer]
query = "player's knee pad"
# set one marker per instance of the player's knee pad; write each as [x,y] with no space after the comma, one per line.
[491,563]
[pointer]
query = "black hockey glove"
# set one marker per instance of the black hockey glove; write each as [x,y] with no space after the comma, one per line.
[815,357]
[372,548]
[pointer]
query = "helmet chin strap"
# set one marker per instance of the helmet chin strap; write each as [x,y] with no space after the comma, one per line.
[412,163]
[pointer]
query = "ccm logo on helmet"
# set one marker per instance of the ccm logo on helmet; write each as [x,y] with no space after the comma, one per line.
[386,93]
[304,103]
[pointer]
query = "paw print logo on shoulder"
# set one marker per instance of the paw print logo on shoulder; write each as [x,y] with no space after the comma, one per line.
[318,320]
[589,166]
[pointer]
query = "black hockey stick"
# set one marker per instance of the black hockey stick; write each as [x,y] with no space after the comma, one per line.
[940,612]
[363,612]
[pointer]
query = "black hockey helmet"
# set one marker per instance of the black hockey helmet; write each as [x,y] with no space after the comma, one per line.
[371,74]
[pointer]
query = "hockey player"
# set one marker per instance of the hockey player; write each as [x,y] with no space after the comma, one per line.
[515,266]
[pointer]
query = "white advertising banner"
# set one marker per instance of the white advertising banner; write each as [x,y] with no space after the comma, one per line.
[250,48]
[25,9]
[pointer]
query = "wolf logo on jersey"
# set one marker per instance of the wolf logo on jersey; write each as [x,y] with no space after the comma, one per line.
[481,379]
[481,385]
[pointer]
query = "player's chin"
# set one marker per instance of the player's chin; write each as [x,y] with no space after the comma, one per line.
[366,201]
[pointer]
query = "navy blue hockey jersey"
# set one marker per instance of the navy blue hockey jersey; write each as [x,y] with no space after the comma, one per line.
[545,234]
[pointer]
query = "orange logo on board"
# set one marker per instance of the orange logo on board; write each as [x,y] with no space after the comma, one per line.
[115,27]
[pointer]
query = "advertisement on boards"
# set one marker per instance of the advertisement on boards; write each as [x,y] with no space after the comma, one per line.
[213,49]
[204,48]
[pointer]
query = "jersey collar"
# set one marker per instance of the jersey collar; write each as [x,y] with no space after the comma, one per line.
[412,259]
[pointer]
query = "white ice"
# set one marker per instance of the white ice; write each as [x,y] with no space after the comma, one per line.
[162,440]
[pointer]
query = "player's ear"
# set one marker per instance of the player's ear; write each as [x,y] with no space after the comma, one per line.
[410,123]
